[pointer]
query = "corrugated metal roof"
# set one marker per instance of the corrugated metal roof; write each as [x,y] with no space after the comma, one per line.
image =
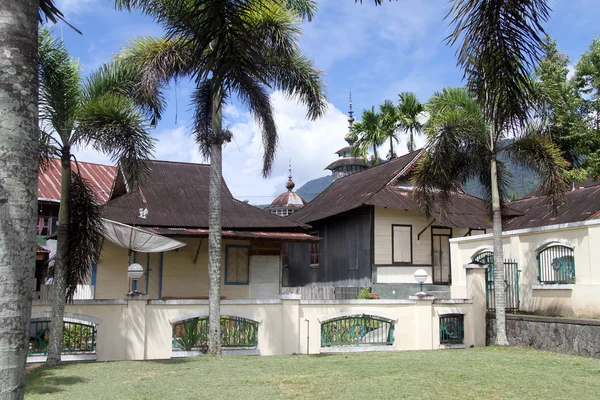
[579,205]
[354,190]
[288,199]
[287,236]
[176,195]
[347,161]
[100,176]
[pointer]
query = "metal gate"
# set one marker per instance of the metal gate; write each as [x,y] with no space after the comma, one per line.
[511,281]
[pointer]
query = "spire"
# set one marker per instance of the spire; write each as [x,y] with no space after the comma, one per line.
[290,183]
[348,138]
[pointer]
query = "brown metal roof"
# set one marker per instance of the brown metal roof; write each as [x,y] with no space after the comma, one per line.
[344,149]
[287,236]
[347,161]
[100,176]
[579,205]
[354,190]
[176,195]
[288,199]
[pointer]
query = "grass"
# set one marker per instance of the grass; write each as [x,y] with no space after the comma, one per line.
[480,373]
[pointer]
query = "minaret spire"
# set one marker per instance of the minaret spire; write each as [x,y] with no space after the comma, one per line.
[350,112]
[290,183]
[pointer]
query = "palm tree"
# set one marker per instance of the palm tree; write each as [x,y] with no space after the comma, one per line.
[409,111]
[499,43]
[105,111]
[369,134]
[241,48]
[389,123]
[18,181]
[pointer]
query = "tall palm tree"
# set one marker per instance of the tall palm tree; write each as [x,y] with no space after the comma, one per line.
[369,134]
[107,112]
[409,112]
[499,43]
[389,123]
[241,48]
[18,186]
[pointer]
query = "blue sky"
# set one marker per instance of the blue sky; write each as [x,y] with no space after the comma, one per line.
[377,52]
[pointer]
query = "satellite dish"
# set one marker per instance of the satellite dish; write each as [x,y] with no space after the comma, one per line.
[137,239]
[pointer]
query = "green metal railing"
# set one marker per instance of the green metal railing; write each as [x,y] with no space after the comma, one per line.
[452,329]
[236,332]
[556,264]
[77,337]
[357,330]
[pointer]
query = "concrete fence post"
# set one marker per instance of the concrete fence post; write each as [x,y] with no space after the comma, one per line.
[290,323]
[423,322]
[136,328]
[476,291]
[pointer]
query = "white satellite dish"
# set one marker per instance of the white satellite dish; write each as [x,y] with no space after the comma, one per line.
[136,239]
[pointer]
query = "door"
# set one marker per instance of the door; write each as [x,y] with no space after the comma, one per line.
[441,256]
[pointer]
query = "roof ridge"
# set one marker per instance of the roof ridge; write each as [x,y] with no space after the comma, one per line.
[180,162]
[399,174]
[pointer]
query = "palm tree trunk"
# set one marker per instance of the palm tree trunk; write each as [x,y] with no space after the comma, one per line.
[59,282]
[392,155]
[499,284]
[214,233]
[18,187]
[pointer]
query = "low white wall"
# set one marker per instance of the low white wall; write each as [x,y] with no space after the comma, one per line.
[581,298]
[140,329]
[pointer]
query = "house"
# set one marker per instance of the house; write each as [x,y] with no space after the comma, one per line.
[372,233]
[550,257]
[175,197]
[100,177]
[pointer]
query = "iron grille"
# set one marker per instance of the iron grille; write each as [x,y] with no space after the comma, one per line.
[357,330]
[77,337]
[236,332]
[452,330]
[556,264]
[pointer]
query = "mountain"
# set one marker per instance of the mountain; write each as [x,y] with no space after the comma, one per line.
[311,189]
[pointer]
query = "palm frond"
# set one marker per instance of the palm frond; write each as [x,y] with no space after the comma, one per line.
[46,150]
[85,233]
[499,43]
[113,125]
[49,12]
[60,85]
[202,104]
[537,151]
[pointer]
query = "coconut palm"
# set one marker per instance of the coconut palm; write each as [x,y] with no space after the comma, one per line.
[18,181]
[409,113]
[389,123]
[107,112]
[230,48]
[369,134]
[499,43]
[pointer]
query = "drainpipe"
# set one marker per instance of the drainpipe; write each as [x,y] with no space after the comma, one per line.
[307,336]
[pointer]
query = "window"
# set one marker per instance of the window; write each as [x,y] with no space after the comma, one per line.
[237,265]
[314,250]
[402,244]
[556,264]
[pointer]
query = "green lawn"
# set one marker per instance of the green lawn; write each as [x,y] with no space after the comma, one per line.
[482,373]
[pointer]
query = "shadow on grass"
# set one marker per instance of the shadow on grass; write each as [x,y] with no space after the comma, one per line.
[46,381]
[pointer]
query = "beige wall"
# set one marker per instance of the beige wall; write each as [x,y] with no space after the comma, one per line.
[384,219]
[581,298]
[181,277]
[141,329]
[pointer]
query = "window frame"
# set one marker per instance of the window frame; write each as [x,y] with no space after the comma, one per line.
[545,270]
[411,245]
[236,246]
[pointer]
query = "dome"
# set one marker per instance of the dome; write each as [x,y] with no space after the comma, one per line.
[288,199]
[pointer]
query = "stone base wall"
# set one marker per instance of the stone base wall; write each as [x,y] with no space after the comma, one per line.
[562,335]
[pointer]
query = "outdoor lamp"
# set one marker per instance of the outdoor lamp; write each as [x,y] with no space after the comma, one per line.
[420,277]
[135,272]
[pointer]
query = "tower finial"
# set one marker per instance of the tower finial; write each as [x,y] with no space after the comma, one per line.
[350,112]
[290,183]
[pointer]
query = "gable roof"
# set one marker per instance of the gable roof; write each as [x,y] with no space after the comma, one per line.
[579,205]
[354,190]
[176,195]
[100,176]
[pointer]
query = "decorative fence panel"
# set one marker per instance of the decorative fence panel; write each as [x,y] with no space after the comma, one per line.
[357,330]
[77,337]
[236,332]
[556,264]
[452,329]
